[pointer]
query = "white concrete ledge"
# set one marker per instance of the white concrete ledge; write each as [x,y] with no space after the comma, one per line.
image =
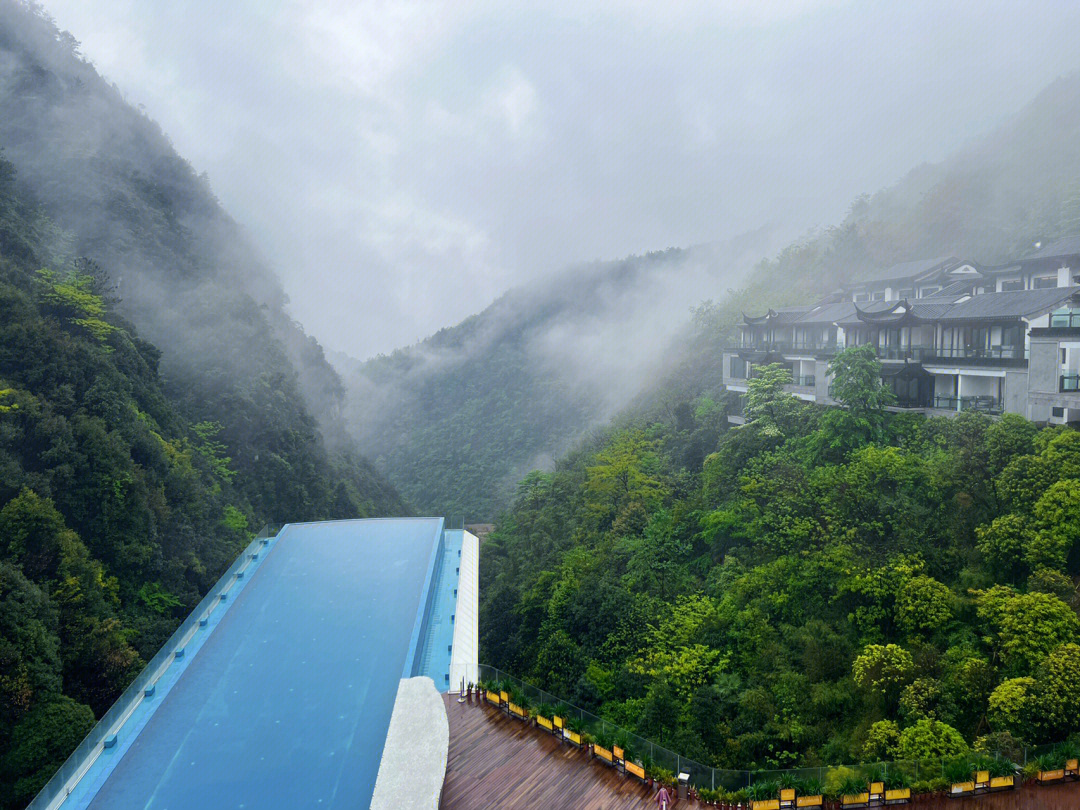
[465,655]
[413,764]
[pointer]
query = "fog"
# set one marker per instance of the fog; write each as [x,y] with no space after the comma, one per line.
[403,164]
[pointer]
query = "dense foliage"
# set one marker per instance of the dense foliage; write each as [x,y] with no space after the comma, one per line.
[816,586]
[188,277]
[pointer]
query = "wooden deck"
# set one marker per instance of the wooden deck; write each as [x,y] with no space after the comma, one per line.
[496,761]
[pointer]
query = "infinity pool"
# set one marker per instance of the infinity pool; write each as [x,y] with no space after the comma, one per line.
[287,701]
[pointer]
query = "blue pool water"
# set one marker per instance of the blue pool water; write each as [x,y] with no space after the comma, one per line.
[287,702]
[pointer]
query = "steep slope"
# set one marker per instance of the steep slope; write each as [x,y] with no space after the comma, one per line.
[116,512]
[457,419]
[186,274]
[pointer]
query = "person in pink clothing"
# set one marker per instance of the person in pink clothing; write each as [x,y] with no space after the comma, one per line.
[663,798]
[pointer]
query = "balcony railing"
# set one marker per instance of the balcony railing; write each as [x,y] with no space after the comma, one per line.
[982,352]
[806,381]
[1065,320]
[1070,383]
[786,347]
[982,403]
[917,352]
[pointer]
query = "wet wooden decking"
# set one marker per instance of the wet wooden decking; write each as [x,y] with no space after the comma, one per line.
[496,761]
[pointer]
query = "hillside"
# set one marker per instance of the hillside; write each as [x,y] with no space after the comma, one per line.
[813,592]
[116,512]
[457,419]
[185,274]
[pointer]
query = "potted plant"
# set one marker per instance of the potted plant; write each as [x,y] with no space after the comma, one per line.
[897,787]
[1070,753]
[1002,774]
[809,793]
[1051,767]
[959,773]
[763,796]
[853,791]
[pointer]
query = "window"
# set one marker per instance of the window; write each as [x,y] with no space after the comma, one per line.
[907,292]
[1058,412]
[1063,360]
[861,297]
[1012,285]
[1043,282]
[877,295]
[928,291]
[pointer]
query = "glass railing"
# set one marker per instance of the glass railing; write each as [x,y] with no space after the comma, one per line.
[82,758]
[1065,320]
[651,756]
[1069,383]
[982,404]
[782,347]
[806,381]
[982,352]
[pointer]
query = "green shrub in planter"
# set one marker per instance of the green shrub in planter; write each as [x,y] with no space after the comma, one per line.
[810,787]
[767,789]
[896,779]
[1001,767]
[852,786]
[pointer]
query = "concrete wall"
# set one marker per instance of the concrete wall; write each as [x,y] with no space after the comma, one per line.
[464,657]
[1016,392]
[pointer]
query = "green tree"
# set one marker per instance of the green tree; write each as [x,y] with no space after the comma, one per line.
[1014,707]
[768,406]
[1059,689]
[1024,627]
[882,741]
[923,605]
[882,669]
[40,743]
[930,739]
[857,385]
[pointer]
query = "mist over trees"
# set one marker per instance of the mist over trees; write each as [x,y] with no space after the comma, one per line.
[186,274]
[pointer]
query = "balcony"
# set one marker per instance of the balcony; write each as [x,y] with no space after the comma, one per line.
[982,404]
[806,381]
[1065,320]
[916,353]
[982,353]
[788,347]
[1069,383]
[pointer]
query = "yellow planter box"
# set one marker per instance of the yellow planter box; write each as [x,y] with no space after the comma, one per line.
[1051,776]
[543,722]
[809,801]
[1002,782]
[558,721]
[634,769]
[493,698]
[504,697]
[1071,767]
[963,787]
[572,736]
[877,788]
[618,752]
[855,798]
[897,794]
[982,777]
[603,753]
[517,710]
[787,794]
[765,804]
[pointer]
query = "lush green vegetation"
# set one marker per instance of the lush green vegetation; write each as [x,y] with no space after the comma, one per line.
[117,512]
[817,586]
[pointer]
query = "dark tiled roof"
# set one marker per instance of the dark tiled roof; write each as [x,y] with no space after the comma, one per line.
[987,306]
[1008,305]
[1066,246]
[952,291]
[905,270]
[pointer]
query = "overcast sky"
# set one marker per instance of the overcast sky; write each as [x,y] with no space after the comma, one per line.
[403,163]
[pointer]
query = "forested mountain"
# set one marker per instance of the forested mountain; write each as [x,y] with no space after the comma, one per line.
[186,275]
[116,512]
[457,419]
[132,471]
[817,587]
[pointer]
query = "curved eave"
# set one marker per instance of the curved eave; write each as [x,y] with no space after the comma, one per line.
[758,320]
